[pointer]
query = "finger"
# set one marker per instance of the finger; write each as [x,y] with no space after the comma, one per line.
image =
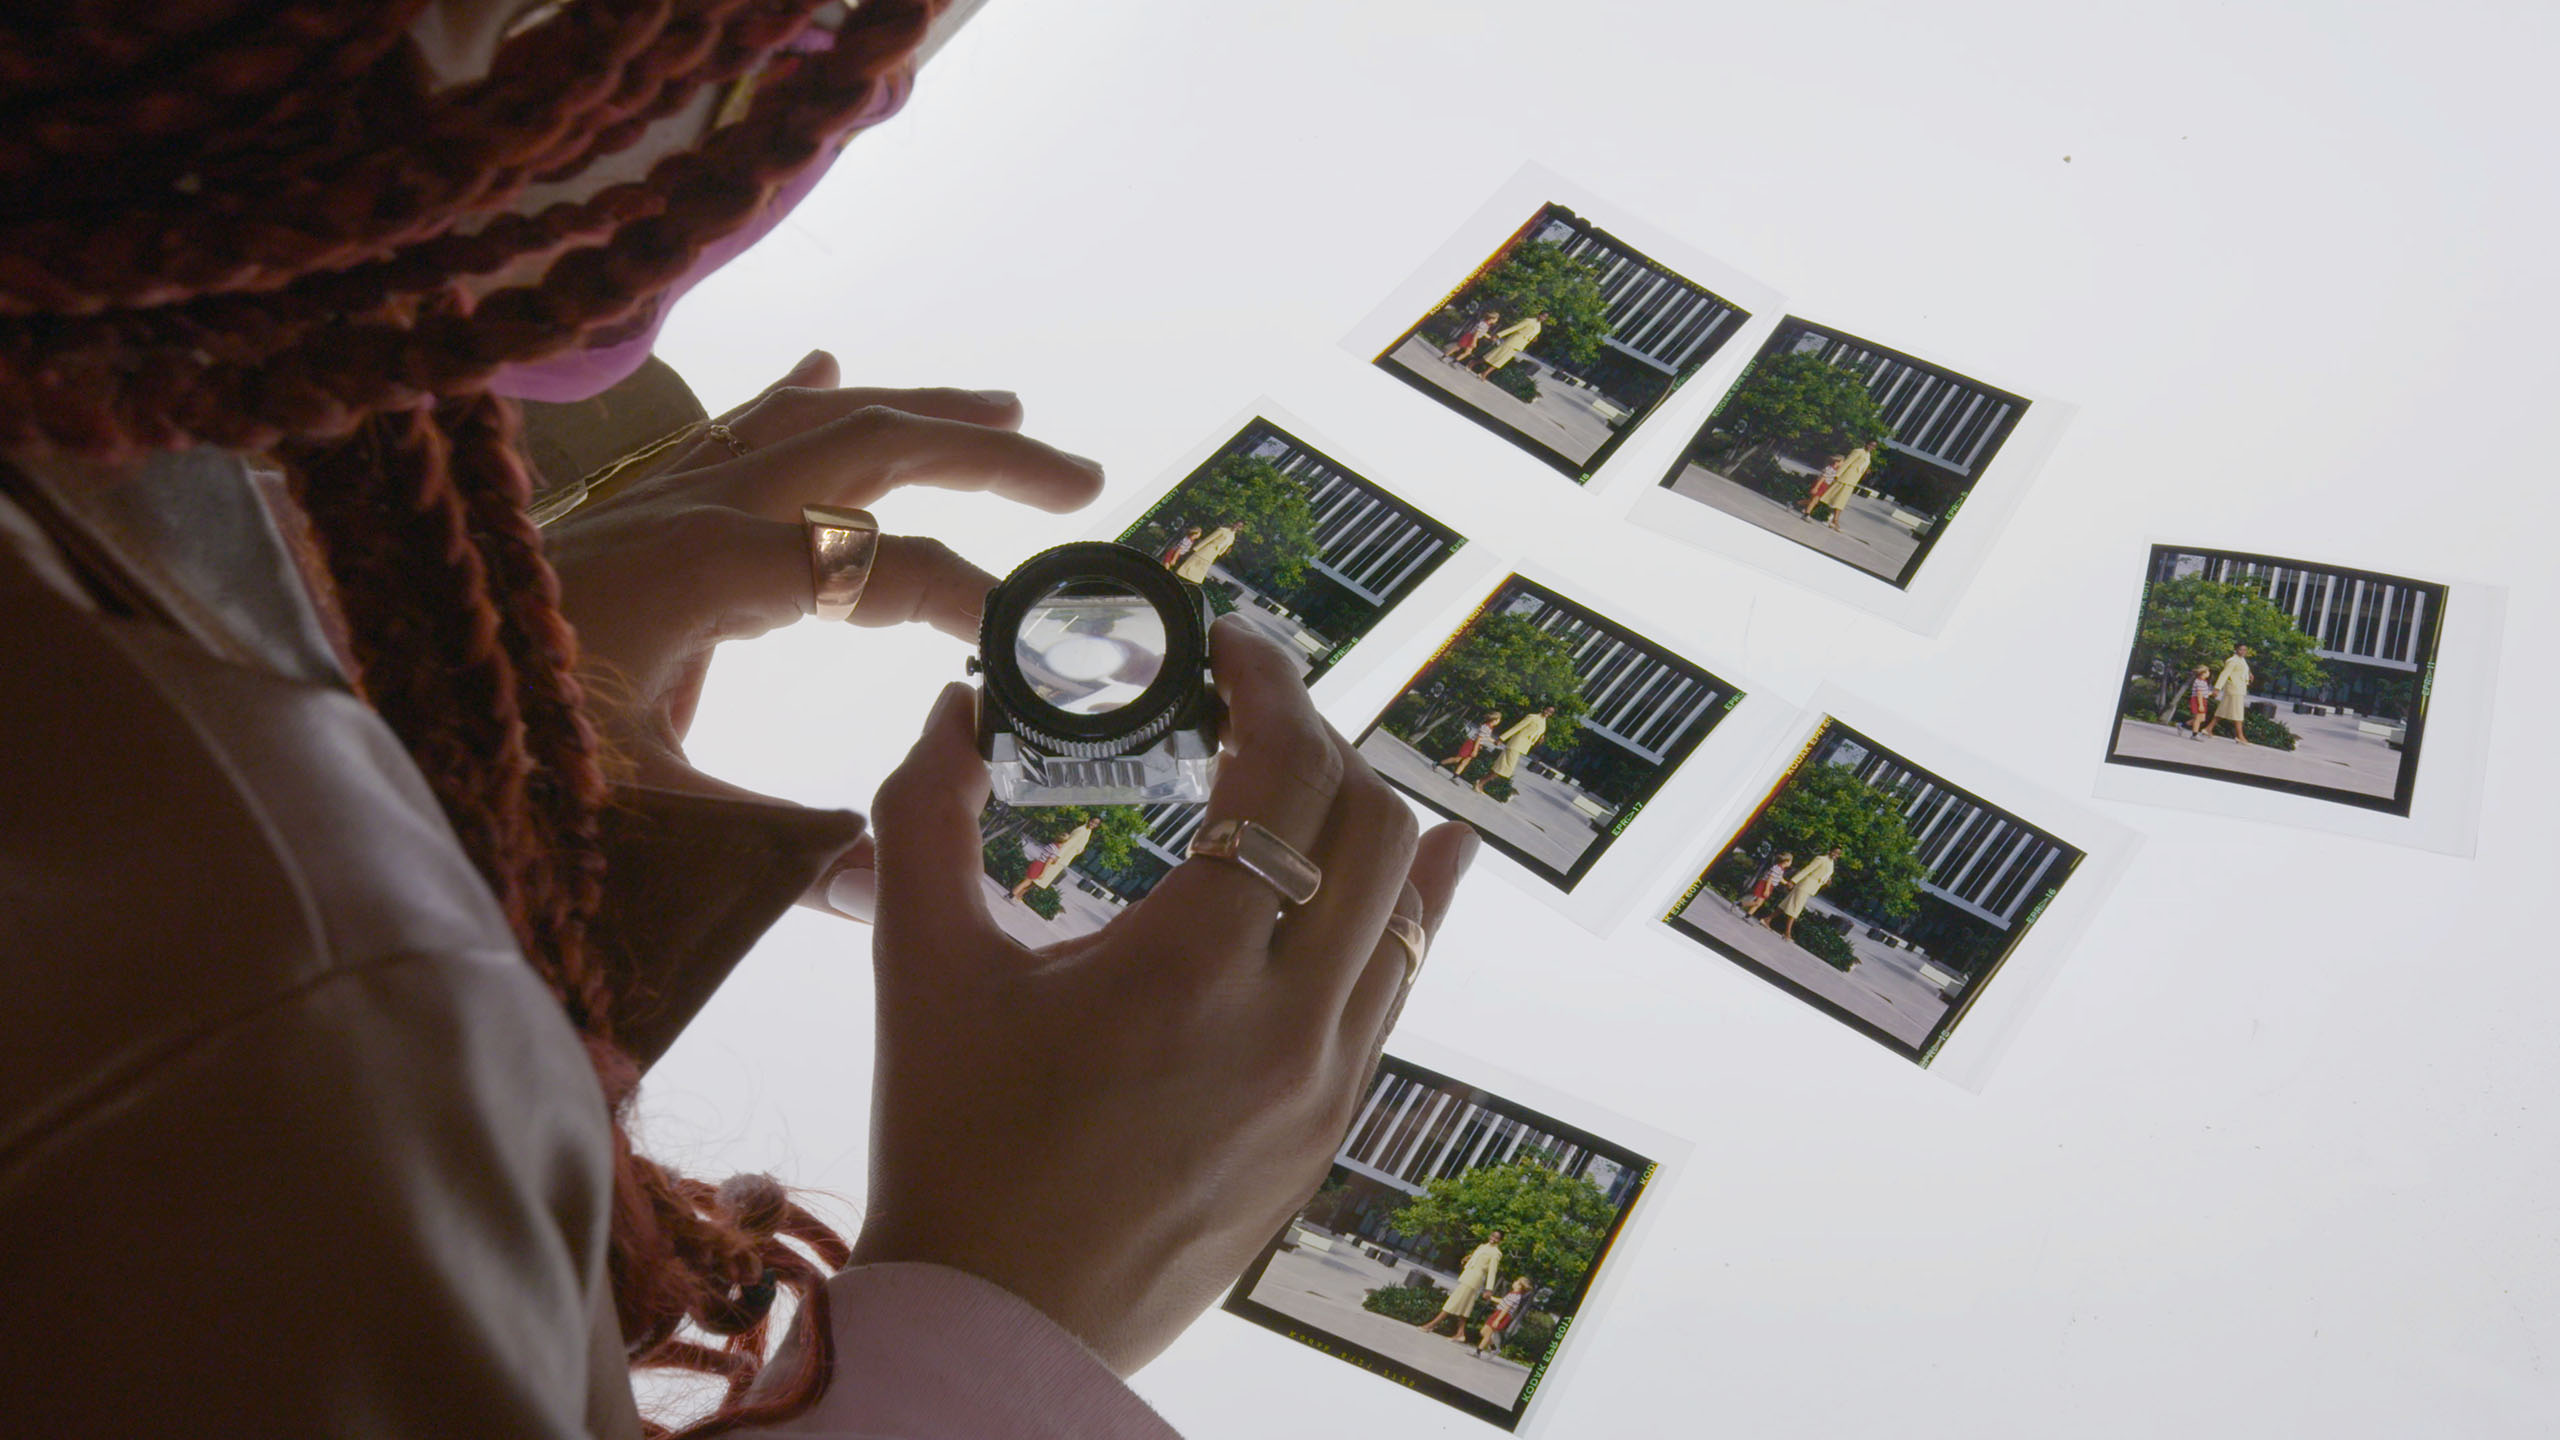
[929,856]
[796,406]
[813,371]
[1439,862]
[1368,847]
[917,578]
[1281,769]
[857,458]
[759,580]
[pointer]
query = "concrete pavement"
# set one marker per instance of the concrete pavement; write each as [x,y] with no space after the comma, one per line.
[1540,821]
[1324,1289]
[1561,420]
[1868,537]
[1885,989]
[2331,752]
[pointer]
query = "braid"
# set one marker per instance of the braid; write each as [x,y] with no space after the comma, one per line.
[225,223]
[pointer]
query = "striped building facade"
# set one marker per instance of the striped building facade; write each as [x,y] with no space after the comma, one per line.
[1365,541]
[1937,415]
[1975,858]
[1655,317]
[1638,700]
[2363,628]
[1411,1132]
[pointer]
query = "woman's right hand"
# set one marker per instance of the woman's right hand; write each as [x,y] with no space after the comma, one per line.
[1113,1126]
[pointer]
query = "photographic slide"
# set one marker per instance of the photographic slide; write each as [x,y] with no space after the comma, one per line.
[1546,727]
[1452,1244]
[1276,531]
[1881,893]
[2283,674]
[1563,340]
[1862,453]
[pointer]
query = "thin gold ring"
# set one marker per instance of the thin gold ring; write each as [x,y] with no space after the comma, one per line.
[726,436]
[1408,932]
[1272,860]
[843,543]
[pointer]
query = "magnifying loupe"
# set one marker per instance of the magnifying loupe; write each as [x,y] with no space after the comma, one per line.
[1096,690]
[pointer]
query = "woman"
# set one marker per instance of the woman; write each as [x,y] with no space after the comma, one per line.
[1171,555]
[347,956]
[2231,692]
[1515,339]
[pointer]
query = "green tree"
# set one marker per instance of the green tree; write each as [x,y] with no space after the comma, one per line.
[1005,828]
[2192,621]
[1551,1223]
[1791,399]
[1502,663]
[1280,526]
[1824,806]
[1540,279]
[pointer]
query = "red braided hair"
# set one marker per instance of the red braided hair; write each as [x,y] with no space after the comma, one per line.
[246,225]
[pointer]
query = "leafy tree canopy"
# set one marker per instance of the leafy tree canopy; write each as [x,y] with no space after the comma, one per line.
[1540,279]
[1280,526]
[1503,663]
[1113,845]
[1825,805]
[1803,397]
[2193,621]
[1551,1223]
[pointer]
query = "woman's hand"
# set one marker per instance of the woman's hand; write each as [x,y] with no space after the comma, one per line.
[710,546]
[1113,1126]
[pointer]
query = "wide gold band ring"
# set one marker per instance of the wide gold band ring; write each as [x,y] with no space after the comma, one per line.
[1273,860]
[1408,932]
[842,544]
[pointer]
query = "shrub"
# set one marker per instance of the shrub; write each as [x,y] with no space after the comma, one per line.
[2267,730]
[1222,598]
[1500,789]
[1516,381]
[1411,1304]
[1043,902]
[1828,940]
[1530,1338]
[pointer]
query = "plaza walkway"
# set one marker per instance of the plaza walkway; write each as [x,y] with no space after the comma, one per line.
[1324,1289]
[1562,420]
[2332,752]
[1885,990]
[1078,914]
[1868,537]
[1540,820]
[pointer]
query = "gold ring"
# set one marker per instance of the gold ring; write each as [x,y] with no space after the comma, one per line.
[728,437]
[1273,860]
[1408,932]
[842,545]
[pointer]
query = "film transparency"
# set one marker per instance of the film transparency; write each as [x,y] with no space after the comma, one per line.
[1295,542]
[1564,338]
[1880,891]
[1883,476]
[1545,725]
[1453,1244]
[2280,674]
[1268,527]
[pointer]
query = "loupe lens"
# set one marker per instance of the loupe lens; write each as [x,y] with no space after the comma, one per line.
[1089,647]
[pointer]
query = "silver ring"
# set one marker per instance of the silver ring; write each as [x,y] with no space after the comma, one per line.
[1272,860]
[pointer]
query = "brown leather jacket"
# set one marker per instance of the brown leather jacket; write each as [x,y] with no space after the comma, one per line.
[292,1141]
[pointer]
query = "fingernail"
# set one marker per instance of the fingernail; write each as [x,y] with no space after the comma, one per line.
[1093,465]
[812,358]
[855,892]
[998,397]
[1459,863]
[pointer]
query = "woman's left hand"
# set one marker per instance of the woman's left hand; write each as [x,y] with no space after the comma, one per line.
[711,546]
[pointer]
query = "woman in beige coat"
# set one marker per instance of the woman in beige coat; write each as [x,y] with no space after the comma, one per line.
[1517,742]
[1515,338]
[2231,693]
[1838,483]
